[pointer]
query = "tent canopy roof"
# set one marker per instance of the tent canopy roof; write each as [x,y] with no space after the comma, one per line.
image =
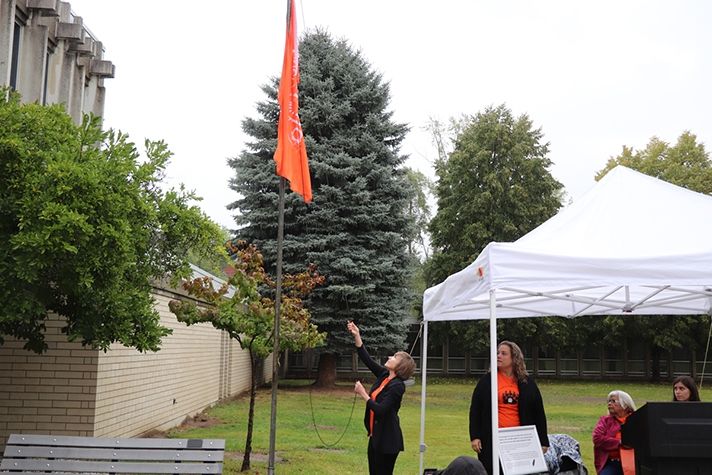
[632,245]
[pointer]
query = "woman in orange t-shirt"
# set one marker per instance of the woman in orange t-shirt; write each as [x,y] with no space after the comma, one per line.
[520,403]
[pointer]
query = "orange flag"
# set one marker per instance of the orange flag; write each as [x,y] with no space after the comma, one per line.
[291,153]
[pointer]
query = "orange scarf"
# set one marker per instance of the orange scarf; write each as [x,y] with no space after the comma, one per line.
[372,415]
[616,453]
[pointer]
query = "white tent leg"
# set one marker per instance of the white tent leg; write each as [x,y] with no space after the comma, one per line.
[424,374]
[493,377]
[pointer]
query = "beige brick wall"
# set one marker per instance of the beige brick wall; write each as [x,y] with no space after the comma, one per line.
[195,368]
[75,391]
[52,393]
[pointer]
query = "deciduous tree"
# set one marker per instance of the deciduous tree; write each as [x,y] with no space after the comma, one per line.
[86,228]
[493,184]
[686,163]
[244,308]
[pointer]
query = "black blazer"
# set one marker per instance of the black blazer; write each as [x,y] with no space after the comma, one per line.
[531,412]
[387,437]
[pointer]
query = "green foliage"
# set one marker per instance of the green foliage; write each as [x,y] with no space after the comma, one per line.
[244,308]
[494,186]
[685,164]
[664,332]
[357,229]
[215,262]
[420,213]
[85,229]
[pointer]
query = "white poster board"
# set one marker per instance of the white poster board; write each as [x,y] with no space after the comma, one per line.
[520,451]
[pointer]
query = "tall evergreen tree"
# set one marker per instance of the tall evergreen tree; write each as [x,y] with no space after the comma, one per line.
[356,230]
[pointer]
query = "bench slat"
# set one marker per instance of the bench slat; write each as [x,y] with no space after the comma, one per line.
[38,473]
[106,442]
[66,455]
[54,466]
[21,451]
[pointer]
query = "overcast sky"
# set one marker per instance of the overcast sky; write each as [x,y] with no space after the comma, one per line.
[594,75]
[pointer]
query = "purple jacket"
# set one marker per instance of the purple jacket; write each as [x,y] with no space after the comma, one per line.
[605,440]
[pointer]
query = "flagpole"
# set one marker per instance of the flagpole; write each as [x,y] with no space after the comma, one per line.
[275,351]
[291,159]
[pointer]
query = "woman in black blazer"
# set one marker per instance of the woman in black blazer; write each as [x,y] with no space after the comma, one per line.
[519,398]
[385,439]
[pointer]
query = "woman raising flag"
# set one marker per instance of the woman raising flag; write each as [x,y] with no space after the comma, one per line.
[385,439]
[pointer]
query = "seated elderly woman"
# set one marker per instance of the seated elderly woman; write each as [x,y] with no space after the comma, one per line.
[607,434]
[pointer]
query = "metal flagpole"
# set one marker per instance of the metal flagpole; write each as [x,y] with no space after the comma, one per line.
[493,376]
[275,351]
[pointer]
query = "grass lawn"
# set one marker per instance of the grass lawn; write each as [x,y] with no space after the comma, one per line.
[571,407]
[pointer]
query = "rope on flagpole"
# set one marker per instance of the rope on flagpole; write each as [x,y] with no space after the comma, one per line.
[417,337]
[704,363]
[316,429]
[301,9]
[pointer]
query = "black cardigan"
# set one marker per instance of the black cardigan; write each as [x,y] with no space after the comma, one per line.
[531,411]
[387,437]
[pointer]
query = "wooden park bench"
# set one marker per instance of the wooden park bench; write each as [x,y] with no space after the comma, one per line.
[43,454]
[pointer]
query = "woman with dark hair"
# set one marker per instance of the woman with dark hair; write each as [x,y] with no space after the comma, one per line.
[519,403]
[684,389]
[385,439]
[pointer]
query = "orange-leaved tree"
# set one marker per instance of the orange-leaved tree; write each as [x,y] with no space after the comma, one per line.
[244,307]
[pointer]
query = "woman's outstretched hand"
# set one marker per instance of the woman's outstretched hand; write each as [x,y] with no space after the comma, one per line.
[361,391]
[353,329]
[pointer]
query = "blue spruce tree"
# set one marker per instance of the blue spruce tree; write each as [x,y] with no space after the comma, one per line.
[356,231]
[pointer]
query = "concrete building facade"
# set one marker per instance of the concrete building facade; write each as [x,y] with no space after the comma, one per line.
[50,57]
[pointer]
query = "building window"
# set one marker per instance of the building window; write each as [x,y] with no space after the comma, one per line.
[46,75]
[14,63]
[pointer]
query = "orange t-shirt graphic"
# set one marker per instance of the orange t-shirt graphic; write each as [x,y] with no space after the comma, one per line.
[508,397]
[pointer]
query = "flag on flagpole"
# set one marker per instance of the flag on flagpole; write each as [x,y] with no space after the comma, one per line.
[291,153]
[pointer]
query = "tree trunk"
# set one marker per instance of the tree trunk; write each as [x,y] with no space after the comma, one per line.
[327,371]
[251,416]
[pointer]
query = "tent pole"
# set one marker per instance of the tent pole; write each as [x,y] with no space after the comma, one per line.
[493,377]
[424,374]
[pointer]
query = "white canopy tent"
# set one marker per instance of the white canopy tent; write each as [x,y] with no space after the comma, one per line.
[632,245]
